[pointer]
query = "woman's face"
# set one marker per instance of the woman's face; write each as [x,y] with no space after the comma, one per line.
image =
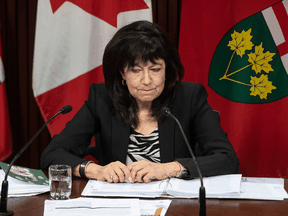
[145,81]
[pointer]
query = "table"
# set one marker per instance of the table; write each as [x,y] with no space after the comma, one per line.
[34,206]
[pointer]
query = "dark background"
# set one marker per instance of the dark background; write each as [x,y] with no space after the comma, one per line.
[18,21]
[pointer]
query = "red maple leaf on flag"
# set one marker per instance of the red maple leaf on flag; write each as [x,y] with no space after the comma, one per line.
[106,10]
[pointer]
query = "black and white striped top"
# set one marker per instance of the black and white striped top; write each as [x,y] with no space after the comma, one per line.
[143,147]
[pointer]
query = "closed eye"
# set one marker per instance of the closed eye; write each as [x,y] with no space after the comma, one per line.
[135,70]
[156,69]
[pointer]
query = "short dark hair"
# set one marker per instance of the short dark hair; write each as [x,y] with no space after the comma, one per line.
[146,41]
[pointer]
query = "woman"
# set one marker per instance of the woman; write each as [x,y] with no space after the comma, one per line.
[134,141]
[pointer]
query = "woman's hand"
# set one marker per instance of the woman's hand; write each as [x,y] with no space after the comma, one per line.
[144,171]
[113,172]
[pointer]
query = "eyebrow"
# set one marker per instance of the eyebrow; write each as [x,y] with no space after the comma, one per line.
[157,64]
[153,64]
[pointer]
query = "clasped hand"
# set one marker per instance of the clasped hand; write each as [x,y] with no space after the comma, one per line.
[145,171]
[142,171]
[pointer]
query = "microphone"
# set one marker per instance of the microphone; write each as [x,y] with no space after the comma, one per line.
[202,194]
[4,190]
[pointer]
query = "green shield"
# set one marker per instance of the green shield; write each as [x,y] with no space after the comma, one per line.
[230,75]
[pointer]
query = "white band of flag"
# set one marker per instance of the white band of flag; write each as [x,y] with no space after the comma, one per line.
[2,77]
[272,16]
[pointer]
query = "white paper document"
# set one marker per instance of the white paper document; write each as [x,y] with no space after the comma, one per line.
[99,188]
[215,186]
[92,206]
[224,186]
[99,206]
[104,206]
[149,207]
[260,189]
[17,188]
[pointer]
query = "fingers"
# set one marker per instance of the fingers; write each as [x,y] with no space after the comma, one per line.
[140,174]
[148,178]
[143,171]
[116,172]
[145,175]
[122,172]
[134,171]
[127,174]
[111,177]
[135,168]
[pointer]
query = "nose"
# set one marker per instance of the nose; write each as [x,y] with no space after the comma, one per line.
[146,79]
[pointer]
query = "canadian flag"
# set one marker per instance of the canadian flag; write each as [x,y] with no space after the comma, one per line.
[70,40]
[5,132]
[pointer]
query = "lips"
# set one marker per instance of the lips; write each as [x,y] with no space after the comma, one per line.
[146,90]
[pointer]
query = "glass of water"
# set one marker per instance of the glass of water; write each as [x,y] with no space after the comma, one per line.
[60,181]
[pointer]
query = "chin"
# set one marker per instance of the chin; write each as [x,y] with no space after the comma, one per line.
[147,99]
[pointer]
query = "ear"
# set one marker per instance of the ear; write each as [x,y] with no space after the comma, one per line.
[122,74]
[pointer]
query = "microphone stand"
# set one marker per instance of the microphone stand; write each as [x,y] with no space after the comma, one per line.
[202,194]
[4,189]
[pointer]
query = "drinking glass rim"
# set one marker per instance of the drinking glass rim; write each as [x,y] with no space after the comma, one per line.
[59,167]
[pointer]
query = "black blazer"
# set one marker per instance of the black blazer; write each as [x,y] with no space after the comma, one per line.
[189,105]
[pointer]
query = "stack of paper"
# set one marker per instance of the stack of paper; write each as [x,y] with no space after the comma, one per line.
[23,181]
[17,188]
[99,188]
[225,186]
[260,189]
[215,186]
[97,206]
[91,206]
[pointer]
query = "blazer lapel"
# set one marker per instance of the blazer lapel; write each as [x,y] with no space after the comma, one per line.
[166,138]
[120,140]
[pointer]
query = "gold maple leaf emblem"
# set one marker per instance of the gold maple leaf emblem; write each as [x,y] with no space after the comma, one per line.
[261,86]
[260,60]
[241,42]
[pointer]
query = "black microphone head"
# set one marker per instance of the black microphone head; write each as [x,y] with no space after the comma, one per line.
[66,109]
[165,111]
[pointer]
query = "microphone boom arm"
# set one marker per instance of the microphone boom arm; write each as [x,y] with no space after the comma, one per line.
[4,189]
[202,194]
[27,144]
[189,147]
